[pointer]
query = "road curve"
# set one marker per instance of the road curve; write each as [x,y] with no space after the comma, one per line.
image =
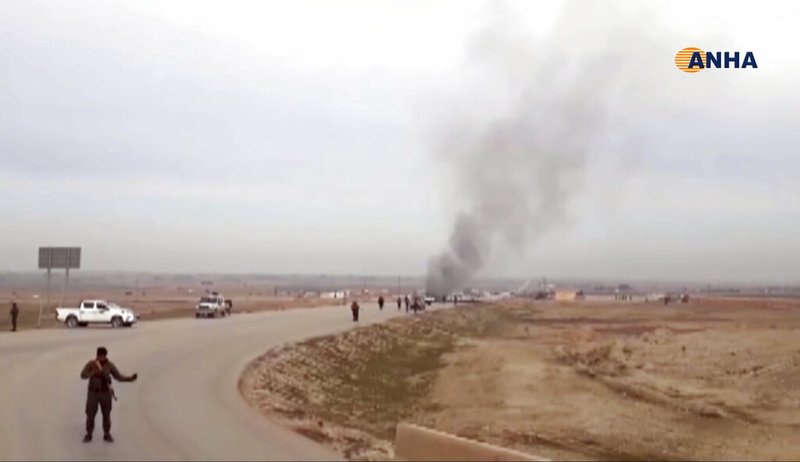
[185,405]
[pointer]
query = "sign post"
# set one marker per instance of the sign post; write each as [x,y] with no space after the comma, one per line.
[57,258]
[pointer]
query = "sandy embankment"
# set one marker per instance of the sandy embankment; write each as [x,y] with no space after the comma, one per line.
[708,380]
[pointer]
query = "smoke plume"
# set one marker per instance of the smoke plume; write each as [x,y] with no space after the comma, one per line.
[517,169]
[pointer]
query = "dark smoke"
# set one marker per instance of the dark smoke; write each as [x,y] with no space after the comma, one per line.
[517,170]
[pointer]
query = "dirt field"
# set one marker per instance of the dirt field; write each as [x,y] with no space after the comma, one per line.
[713,379]
[149,304]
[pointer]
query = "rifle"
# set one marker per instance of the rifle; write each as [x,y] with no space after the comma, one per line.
[110,387]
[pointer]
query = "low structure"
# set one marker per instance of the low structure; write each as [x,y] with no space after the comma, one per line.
[337,295]
[569,295]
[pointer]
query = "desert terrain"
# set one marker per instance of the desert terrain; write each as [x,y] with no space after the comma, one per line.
[153,304]
[168,296]
[710,379]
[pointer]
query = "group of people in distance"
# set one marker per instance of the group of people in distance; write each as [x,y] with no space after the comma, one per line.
[412,304]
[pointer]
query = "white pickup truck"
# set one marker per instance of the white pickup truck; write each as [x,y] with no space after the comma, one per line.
[211,306]
[96,312]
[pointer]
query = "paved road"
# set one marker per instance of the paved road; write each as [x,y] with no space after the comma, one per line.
[185,405]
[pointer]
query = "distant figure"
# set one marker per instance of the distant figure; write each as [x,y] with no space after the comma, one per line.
[415,306]
[455,300]
[14,315]
[408,302]
[399,303]
[354,308]
[380,302]
[99,372]
[229,306]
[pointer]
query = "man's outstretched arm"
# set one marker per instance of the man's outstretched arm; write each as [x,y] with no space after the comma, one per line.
[121,377]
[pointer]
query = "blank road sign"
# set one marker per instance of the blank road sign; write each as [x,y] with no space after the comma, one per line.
[59,257]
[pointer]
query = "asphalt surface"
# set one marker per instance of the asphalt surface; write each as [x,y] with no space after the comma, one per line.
[185,405]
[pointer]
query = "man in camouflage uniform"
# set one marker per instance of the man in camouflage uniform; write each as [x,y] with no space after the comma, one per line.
[99,372]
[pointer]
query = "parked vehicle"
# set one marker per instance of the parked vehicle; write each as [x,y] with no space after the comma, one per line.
[211,306]
[96,312]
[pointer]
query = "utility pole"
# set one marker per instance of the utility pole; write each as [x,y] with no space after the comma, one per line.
[64,289]
[39,321]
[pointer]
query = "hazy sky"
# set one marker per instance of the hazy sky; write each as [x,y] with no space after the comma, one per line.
[297,137]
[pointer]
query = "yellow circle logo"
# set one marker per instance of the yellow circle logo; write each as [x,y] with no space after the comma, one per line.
[684,57]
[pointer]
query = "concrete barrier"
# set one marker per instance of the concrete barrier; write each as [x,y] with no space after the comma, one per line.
[418,443]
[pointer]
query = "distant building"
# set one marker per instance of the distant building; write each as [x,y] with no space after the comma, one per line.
[335,295]
[569,295]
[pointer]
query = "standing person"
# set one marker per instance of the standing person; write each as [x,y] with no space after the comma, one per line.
[100,393]
[14,315]
[408,302]
[354,308]
[399,303]
[380,302]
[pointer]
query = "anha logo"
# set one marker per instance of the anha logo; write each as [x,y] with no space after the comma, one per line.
[693,59]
